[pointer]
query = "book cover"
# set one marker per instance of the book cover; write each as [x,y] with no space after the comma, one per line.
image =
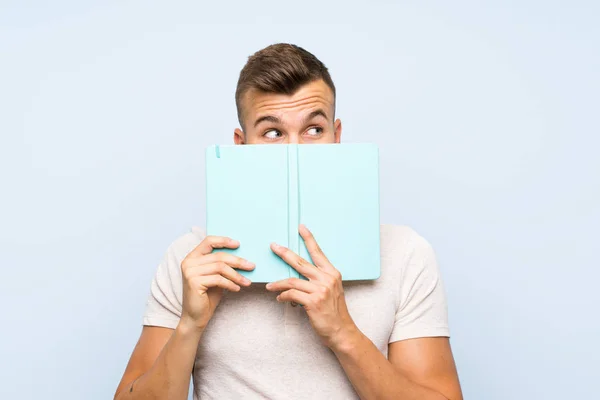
[259,194]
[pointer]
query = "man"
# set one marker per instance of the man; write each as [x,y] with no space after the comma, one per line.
[292,339]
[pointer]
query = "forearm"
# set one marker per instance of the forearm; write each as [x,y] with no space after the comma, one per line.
[169,377]
[372,375]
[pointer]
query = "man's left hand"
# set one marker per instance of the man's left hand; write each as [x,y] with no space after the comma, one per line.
[322,296]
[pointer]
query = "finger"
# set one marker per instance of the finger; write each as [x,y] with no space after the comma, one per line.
[296,262]
[296,296]
[208,281]
[229,259]
[218,268]
[292,283]
[314,250]
[210,243]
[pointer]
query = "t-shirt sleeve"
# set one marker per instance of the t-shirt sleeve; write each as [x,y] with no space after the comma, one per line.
[422,310]
[163,307]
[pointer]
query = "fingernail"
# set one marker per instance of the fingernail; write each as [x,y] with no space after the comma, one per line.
[275,246]
[246,280]
[268,286]
[278,298]
[248,264]
[234,242]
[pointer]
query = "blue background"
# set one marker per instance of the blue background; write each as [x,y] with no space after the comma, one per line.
[486,113]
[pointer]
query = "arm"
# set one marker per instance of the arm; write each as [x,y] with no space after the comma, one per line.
[420,368]
[162,362]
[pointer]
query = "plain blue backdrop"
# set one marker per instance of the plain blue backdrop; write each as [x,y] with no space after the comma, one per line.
[486,113]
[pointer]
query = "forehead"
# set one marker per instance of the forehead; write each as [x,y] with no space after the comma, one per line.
[312,95]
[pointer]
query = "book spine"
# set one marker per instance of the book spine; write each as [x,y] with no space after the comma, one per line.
[293,203]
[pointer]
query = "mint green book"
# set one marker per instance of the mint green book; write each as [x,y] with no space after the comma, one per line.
[259,194]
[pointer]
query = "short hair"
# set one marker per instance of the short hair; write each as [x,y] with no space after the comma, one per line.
[280,68]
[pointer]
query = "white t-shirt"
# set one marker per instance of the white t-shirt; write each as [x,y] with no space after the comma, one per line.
[255,347]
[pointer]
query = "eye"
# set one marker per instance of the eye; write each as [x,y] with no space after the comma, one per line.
[314,131]
[272,134]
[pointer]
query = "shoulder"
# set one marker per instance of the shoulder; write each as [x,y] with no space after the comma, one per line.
[401,241]
[406,255]
[185,243]
[410,263]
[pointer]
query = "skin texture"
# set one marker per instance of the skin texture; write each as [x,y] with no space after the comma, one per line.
[161,364]
[288,119]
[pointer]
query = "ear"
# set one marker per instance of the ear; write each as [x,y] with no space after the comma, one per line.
[238,136]
[338,130]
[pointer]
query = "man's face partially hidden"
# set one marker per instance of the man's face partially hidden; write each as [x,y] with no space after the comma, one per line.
[302,118]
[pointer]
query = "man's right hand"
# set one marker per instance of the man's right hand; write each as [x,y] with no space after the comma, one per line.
[205,275]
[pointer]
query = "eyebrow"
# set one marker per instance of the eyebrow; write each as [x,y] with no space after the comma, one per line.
[267,118]
[314,114]
[275,120]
